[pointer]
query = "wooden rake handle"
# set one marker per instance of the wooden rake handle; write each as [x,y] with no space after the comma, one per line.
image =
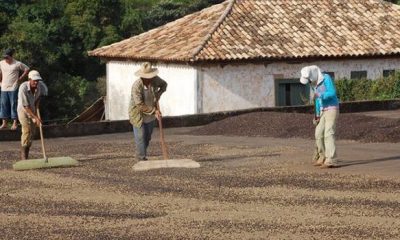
[41,136]
[163,145]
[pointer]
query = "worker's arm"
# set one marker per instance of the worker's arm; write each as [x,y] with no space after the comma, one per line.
[24,68]
[35,118]
[317,111]
[138,100]
[317,107]
[43,91]
[23,75]
[161,87]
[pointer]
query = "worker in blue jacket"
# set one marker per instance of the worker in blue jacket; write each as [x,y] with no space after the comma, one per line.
[326,114]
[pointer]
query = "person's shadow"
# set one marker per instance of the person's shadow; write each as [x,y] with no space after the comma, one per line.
[361,162]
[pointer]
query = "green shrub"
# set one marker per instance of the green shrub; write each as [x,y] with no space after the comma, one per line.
[344,88]
[365,89]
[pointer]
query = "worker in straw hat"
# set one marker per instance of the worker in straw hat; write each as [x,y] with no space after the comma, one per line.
[326,114]
[143,107]
[28,103]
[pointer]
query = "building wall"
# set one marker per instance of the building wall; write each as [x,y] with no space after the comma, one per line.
[235,87]
[242,86]
[341,68]
[179,99]
[215,88]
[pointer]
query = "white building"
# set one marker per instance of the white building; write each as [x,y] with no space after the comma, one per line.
[248,53]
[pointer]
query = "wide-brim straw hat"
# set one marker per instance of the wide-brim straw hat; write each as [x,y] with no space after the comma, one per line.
[146,71]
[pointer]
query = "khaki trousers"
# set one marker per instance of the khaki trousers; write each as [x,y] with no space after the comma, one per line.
[28,129]
[325,136]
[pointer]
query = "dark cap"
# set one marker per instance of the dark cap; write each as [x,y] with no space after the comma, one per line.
[9,52]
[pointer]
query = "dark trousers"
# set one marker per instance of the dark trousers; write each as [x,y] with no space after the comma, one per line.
[142,139]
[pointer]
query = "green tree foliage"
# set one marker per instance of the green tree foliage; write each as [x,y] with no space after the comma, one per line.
[169,10]
[93,21]
[132,14]
[394,1]
[7,10]
[40,34]
[53,37]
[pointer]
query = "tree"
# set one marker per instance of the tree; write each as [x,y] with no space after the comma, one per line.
[53,37]
[40,34]
[169,10]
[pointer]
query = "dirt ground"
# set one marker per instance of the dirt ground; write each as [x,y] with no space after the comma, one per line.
[246,188]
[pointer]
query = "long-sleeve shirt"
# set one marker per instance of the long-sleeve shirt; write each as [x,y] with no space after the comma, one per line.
[326,97]
[138,108]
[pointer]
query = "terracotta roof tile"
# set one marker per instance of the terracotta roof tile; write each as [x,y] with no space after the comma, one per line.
[254,29]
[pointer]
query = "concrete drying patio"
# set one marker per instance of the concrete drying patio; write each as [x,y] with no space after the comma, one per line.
[246,188]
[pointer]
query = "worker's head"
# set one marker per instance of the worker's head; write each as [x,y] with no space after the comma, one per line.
[311,75]
[147,73]
[8,55]
[34,78]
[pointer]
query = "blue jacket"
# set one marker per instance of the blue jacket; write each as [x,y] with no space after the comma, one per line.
[326,97]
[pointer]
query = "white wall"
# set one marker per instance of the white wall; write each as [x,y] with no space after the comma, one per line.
[179,99]
[242,86]
[214,88]
[342,68]
[235,87]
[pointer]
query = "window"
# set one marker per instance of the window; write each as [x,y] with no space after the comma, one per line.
[358,75]
[332,74]
[388,73]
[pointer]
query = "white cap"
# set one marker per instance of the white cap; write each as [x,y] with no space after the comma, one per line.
[311,74]
[305,75]
[34,75]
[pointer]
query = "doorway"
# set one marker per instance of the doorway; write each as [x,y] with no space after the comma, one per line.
[290,92]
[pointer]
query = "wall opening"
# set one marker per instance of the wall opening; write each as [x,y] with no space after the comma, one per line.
[389,73]
[355,75]
[290,92]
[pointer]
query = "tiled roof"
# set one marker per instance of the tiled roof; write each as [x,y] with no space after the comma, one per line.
[269,29]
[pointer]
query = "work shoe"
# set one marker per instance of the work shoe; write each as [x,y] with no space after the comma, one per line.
[319,162]
[324,166]
[330,163]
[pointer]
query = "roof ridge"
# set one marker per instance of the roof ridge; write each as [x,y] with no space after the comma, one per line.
[213,29]
[182,19]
